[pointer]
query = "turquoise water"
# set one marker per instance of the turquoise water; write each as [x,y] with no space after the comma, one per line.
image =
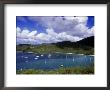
[51,61]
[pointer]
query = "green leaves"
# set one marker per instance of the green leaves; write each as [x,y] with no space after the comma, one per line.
[69,70]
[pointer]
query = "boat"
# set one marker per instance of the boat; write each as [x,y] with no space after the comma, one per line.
[30,52]
[69,53]
[25,57]
[35,58]
[61,65]
[49,55]
[45,62]
[73,59]
[42,55]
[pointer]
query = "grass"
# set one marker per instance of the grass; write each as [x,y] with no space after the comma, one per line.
[43,49]
[69,70]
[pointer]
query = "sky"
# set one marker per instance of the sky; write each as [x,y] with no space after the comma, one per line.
[52,29]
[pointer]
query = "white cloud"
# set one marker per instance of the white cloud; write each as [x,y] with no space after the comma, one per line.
[18,30]
[23,33]
[25,36]
[32,34]
[42,37]
[57,29]
[25,41]
[51,32]
[65,37]
[69,24]
[82,19]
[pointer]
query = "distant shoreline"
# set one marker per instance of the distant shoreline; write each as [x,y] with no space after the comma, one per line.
[57,53]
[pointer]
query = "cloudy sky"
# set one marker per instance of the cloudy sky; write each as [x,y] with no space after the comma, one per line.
[51,29]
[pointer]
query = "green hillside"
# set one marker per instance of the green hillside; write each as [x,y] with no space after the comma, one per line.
[85,46]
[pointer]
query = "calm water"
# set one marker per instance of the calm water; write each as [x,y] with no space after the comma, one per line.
[51,61]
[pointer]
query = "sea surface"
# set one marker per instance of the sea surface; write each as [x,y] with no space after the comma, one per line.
[30,60]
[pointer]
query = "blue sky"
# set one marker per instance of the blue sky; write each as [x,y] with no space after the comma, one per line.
[29,24]
[49,29]
[90,21]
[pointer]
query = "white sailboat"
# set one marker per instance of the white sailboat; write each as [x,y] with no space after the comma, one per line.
[25,57]
[45,62]
[42,55]
[35,58]
[49,55]
[66,56]
[73,59]
[61,65]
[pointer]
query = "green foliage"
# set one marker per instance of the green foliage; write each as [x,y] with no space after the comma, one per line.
[43,49]
[84,46]
[69,70]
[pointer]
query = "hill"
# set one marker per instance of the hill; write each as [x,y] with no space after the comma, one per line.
[84,46]
[84,43]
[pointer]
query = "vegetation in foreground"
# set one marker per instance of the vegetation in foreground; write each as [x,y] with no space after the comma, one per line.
[71,70]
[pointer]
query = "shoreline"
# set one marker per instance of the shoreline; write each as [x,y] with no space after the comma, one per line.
[58,53]
[63,70]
